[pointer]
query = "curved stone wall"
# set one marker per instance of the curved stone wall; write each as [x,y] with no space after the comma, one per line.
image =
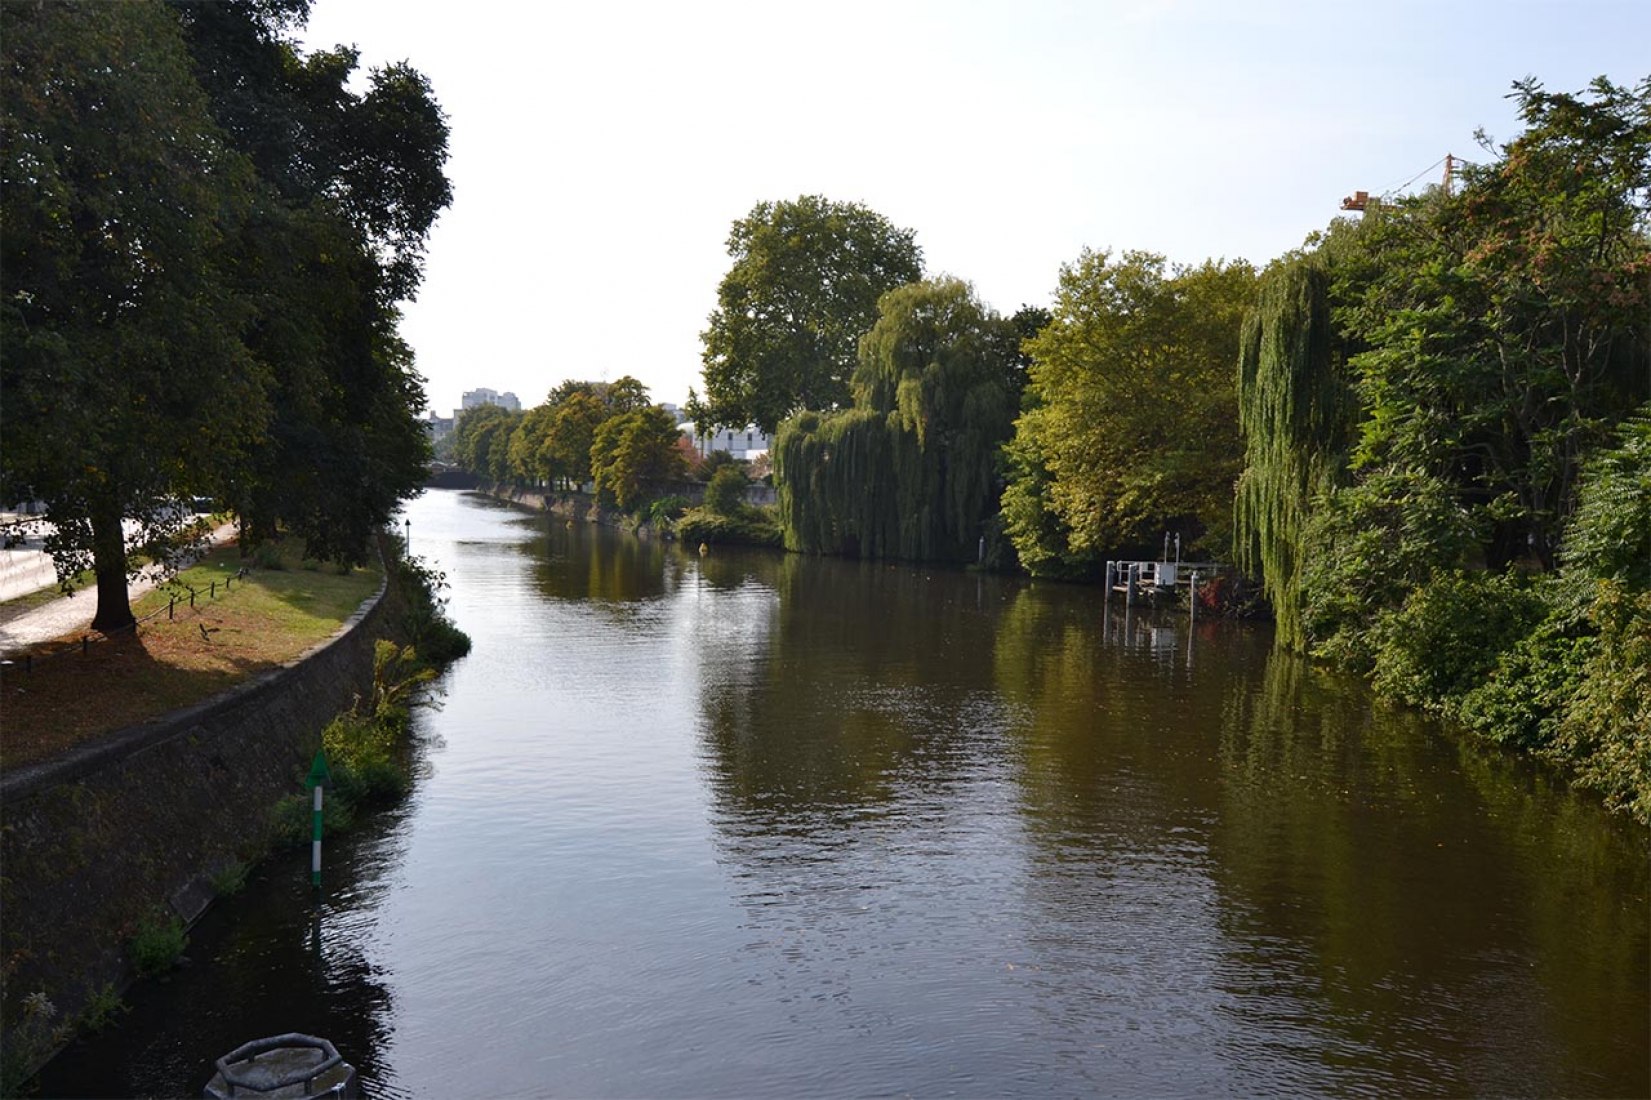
[139,821]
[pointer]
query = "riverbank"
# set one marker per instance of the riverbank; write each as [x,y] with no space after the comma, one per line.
[112,847]
[219,623]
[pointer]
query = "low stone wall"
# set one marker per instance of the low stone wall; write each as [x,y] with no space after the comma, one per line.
[139,821]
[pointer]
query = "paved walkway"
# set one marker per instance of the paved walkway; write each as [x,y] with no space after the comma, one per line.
[27,569]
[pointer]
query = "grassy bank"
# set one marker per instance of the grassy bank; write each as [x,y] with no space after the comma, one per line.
[241,625]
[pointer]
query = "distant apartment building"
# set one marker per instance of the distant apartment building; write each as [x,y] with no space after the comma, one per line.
[475,399]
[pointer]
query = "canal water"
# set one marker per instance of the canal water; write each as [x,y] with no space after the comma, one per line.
[761,825]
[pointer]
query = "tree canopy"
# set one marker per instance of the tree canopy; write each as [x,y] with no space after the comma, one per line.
[206,236]
[128,386]
[1129,424]
[803,288]
[1456,355]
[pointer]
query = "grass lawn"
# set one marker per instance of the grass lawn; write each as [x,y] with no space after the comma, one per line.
[260,621]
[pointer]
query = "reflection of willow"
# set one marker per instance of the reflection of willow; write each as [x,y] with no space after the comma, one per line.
[1409,867]
[872,679]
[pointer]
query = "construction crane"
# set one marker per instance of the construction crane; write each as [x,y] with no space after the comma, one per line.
[1360,200]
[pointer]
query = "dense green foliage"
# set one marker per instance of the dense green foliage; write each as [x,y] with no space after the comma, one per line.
[725,492]
[126,382]
[747,526]
[1505,326]
[206,237]
[912,470]
[803,288]
[1129,426]
[633,454]
[1446,483]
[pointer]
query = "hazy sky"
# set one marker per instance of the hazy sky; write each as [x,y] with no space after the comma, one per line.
[600,151]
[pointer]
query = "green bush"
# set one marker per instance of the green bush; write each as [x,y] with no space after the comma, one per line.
[101,1010]
[292,821]
[666,509]
[1606,730]
[751,527]
[1449,634]
[1610,534]
[1521,702]
[366,753]
[230,879]
[1366,548]
[157,944]
[432,633]
[725,495]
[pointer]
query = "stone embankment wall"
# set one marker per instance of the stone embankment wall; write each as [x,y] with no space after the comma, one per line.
[581,506]
[137,824]
[576,506]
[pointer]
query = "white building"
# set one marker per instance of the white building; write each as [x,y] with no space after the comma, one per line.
[747,442]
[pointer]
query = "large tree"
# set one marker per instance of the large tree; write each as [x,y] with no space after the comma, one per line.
[1506,324]
[1296,407]
[633,454]
[351,183]
[803,288]
[127,384]
[1131,422]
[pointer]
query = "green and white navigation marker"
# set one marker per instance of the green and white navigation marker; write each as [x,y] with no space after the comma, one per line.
[320,776]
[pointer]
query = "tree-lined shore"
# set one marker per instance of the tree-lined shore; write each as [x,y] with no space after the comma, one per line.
[208,234]
[1426,432]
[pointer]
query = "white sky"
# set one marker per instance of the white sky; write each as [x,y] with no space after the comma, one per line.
[600,151]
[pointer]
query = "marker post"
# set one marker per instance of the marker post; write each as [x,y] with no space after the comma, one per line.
[320,776]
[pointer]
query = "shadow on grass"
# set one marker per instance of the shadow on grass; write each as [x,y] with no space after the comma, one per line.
[76,697]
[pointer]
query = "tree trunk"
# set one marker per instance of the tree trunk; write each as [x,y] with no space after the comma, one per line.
[114,605]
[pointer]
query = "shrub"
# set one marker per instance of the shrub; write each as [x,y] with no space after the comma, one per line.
[1449,634]
[1366,548]
[432,633]
[101,1009]
[1524,697]
[725,495]
[1606,729]
[157,944]
[292,820]
[662,511]
[1610,534]
[752,527]
[365,753]
[230,879]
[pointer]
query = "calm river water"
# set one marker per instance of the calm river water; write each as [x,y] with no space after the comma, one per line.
[762,825]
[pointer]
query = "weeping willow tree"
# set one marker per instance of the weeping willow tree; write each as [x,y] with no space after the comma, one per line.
[911,471]
[1295,408]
